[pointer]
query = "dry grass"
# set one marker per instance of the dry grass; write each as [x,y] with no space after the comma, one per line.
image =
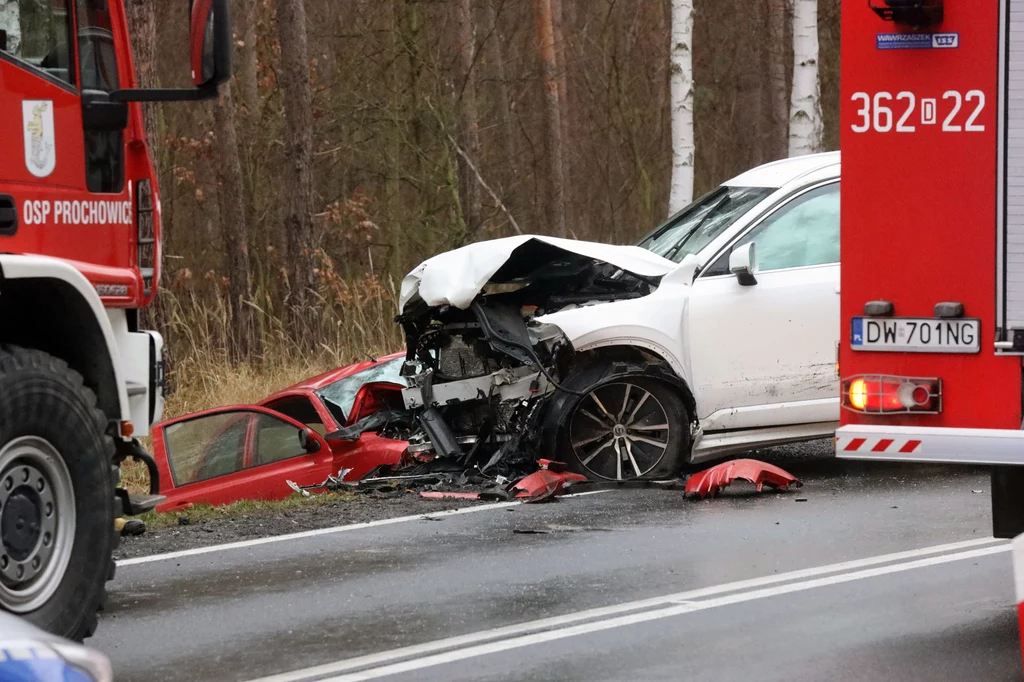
[202,513]
[354,320]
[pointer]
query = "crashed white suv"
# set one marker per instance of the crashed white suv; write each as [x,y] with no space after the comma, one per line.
[716,334]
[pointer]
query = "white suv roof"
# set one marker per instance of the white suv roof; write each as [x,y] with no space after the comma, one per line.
[780,173]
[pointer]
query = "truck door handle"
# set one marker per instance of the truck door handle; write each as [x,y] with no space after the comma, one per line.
[8,215]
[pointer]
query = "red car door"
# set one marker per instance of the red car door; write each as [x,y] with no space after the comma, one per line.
[244,452]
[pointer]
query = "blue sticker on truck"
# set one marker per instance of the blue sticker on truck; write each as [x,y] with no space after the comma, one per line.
[858,331]
[917,41]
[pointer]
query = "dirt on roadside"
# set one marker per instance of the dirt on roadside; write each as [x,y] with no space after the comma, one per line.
[190,534]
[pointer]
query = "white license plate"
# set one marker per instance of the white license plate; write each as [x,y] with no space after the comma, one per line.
[916,334]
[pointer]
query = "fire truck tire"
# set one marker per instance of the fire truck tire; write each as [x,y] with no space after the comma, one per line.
[56,495]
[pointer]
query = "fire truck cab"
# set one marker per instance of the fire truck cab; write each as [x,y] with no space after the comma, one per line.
[80,382]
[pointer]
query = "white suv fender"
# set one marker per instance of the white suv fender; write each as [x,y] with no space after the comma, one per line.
[656,323]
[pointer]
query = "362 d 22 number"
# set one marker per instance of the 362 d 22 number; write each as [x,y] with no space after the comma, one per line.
[879,112]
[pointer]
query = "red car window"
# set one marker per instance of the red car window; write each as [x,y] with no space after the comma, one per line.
[276,441]
[207,447]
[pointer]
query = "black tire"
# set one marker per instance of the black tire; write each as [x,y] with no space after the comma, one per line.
[610,434]
[52,437]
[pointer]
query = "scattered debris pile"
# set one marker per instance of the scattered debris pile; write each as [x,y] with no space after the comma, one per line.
[439,479]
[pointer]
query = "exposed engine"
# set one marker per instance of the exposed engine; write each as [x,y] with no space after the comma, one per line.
[479,378]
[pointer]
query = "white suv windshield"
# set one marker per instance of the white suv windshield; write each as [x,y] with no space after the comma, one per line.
[697,225]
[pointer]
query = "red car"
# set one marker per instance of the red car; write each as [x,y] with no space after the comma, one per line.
[248,452]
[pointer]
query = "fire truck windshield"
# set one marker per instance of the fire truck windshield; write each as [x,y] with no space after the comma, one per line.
[96,46]
[38,34]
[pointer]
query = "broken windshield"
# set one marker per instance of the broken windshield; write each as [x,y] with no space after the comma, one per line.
[342,393]
[697,225]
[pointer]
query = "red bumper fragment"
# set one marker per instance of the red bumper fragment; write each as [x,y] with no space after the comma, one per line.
[710,481]
[444,495]
[545,483]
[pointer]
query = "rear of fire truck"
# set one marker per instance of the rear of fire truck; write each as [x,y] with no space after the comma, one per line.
[932,284]
[80,383]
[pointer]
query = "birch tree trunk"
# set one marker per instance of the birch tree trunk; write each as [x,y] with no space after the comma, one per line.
[469,120]
[234,227]
[298,150]
[681,95]
[553,119]
[805,126]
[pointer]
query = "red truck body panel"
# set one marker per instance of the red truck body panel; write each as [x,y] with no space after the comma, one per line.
[919,213]
[57,214]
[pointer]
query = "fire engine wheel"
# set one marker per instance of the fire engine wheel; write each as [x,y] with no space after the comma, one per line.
[628,428]
[56,495]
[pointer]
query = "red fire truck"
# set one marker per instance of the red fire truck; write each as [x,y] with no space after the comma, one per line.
[80,383]
[932,283]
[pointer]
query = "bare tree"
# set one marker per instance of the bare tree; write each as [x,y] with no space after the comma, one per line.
[506,127]
[805,126]
[142,26]
[469,119]
[248,80]
[553,117]
[564,115]
[234,230]
[778,142]
[681,86]
[298,150]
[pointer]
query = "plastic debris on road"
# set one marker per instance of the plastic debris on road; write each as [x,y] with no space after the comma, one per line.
[710,481]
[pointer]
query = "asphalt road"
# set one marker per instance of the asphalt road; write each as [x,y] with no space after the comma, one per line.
[882,573]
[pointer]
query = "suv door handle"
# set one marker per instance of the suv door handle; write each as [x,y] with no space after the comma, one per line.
[8,215]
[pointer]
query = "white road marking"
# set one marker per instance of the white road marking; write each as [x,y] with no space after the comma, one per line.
[680,601]
[621,621]
[243,544]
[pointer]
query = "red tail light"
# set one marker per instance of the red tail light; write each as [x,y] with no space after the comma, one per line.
[880,394]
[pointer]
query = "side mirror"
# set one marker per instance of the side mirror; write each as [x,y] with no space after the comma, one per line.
[101,115]
[308,442]
[743,264]
[210,43]
[209,53]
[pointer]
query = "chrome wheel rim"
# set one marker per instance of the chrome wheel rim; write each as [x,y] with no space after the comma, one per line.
[619,431]
[37,521]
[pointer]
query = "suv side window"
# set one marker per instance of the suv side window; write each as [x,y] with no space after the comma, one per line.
[802,233]
[38,34]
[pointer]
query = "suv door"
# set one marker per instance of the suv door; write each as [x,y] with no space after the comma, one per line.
[764,355]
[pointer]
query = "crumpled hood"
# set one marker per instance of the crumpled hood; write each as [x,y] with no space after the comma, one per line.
[457,277]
